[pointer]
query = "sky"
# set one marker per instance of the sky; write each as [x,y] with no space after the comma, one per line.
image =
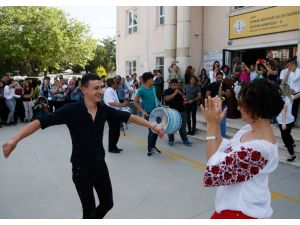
[101,19]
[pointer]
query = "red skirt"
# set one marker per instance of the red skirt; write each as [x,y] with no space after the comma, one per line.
[230,214]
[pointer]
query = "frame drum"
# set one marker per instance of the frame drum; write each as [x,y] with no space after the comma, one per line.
[166,118]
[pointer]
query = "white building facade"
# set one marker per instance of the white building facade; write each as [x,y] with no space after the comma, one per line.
[151,38]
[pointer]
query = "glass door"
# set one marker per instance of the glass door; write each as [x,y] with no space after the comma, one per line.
[231,57]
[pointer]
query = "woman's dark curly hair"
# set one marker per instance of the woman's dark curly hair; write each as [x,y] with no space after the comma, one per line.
[261,99]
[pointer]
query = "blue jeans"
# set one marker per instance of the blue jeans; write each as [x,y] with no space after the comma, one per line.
[223,123]
[139,113]
[11,105]
[152,138]
[182,130]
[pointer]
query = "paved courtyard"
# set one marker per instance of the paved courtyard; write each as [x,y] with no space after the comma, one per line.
[35,181]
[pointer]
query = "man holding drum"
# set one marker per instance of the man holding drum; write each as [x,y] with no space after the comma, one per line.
[148,94]
[176,99]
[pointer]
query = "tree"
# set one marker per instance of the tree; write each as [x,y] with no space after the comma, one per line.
[34,38]
[105,56]
[110,45]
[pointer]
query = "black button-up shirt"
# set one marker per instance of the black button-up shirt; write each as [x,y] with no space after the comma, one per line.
[86,134]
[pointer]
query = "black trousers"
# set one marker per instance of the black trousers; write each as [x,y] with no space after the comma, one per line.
[191,110]
[19,111]
[295,108]
[114,133]
[287,137]
[85,181]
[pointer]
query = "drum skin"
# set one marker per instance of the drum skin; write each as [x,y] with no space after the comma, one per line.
[166,118]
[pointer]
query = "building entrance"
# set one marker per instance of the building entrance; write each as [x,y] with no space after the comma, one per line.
[250,56]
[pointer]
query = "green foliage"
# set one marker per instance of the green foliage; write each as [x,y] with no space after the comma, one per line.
[34,38]
[105,56]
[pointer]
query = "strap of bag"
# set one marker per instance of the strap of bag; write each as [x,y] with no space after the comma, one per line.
[157,102]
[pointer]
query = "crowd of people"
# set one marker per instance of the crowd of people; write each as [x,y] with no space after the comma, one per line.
[239,166]
[21,101]
[183,92]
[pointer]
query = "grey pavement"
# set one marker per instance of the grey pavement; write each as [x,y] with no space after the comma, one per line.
[36,182]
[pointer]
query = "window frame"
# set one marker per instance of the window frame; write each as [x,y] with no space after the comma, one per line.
[130,68]
[160,15]
[130,26]
[158,65]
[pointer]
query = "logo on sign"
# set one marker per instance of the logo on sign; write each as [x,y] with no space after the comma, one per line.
[239,26]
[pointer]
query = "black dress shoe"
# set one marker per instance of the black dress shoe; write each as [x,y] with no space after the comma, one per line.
[291,158]
[120,149]
[114,151]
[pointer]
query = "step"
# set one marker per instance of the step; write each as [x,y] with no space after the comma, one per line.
[230,132]
[233,125]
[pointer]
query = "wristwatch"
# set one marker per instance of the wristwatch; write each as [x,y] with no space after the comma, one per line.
[208,138]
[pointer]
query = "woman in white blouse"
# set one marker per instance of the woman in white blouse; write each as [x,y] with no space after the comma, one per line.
[215,69]
[9,95]
[241,166]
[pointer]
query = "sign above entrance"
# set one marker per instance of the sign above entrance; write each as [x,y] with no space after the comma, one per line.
[265,21]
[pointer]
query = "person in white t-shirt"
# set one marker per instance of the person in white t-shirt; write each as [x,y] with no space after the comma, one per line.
[9,95]
[111,99]
[253,73]
[291,76]
[286,121]
[127,82]
[133,78]
[240,167]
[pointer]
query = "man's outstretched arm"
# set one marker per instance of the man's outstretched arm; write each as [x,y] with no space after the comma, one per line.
[142,122]
[27,130]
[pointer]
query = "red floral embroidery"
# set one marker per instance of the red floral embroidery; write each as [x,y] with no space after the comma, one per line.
[243,165]
[255,156]
[229,160]
[242,154]
[228,149]
[240,178]
[227,176]
[254,170]
[237,167]
[215,169]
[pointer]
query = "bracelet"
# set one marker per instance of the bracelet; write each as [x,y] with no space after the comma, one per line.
[208,138]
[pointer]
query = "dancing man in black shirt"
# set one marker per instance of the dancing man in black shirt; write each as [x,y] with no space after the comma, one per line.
[85,121]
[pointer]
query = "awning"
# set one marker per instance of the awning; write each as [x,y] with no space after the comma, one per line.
[263,45]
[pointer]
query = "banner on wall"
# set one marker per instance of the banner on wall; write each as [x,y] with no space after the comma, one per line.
[210,57]
[264,21]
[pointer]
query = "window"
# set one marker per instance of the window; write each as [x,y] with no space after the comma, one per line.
[160,15]
[132,24]
[130,67]
[159,64]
